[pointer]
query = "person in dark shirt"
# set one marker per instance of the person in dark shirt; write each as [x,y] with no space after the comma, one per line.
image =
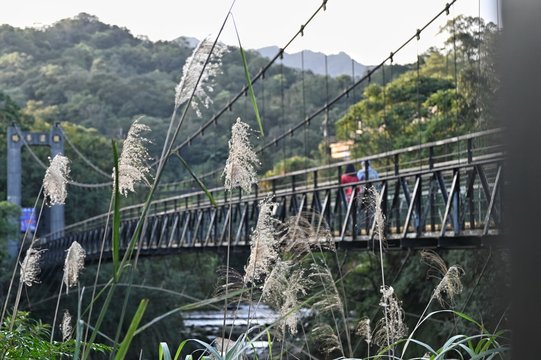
[349,177]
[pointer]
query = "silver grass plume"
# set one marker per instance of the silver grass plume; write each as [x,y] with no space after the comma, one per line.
[375,200]
[132,165]
[263,251]
[330,300]
[30,267]
[300,236]
[281,290]
[191,71]
[242,160]
[327,338]
[391,327]
[74,263]
[56,179]
[450,284]
[65,326]
[229,281]
[364,330]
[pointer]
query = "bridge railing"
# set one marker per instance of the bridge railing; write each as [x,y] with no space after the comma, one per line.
[429,157]
[454,205]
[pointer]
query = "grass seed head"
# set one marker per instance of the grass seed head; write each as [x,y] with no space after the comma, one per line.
[74,263]
[56,179]
[30,269]
[193,68]
[450,284]
[282,289]
[327,338]
[391,327]
[301,236]
[364,330]
[65,326]
[132,165]
[242,161]
[263,251]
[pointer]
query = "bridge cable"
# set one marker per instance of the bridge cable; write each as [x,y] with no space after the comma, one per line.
[304,114]
[45,167]
[282,120]
[254,79]
[366,77]
[83,157]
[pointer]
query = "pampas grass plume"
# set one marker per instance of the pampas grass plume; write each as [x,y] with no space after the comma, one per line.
[74,263]
[30,269]
[56,179]
[132,162]
[263,251]
[191,71]
[240,166]
[65,326]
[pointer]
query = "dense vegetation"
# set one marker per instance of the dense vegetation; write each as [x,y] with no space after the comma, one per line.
[96,78]
[88,73]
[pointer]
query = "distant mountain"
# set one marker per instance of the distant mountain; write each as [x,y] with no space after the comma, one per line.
[337,65]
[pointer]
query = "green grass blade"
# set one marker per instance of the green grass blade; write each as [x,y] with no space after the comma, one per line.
[468,318]
[197,180]
[116,217]
[269,342]
[163,352]
[179,350]
[249,82]
[125,344]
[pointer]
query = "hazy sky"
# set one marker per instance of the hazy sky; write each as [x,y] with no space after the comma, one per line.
[365,29]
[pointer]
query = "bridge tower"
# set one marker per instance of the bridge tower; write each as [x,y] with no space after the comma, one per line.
[15,141]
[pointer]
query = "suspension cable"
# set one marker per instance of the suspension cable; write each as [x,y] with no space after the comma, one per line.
[331,103]
[83,157]
[254,79]
[45,167]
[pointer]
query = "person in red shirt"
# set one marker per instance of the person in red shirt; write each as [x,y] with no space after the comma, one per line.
[350,176]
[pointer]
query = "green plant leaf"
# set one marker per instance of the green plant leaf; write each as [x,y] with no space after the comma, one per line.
[249,82]
[269,342]
[468,318]
[163,352]
[197,180]
[125,344]
[116,216]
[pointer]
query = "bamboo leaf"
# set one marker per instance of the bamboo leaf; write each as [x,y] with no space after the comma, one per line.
[197,180]
[249,83]
[116,216]
[125,344]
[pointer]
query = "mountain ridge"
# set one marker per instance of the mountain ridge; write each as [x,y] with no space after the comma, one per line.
[337,64]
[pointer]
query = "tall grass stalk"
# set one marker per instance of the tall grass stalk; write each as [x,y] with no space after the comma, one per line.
[92,297]
[143,217]
[21,283]
[21,247]
[378,218]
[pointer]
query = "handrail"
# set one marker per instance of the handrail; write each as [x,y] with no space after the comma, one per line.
[291,175]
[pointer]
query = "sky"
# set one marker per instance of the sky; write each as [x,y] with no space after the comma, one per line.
[367,30]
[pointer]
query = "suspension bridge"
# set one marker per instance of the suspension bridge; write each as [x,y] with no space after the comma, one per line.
[445,194]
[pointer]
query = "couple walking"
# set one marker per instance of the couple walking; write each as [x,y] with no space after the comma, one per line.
[353,176]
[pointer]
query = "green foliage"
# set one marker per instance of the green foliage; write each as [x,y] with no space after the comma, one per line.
[29,339]
[449,93]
